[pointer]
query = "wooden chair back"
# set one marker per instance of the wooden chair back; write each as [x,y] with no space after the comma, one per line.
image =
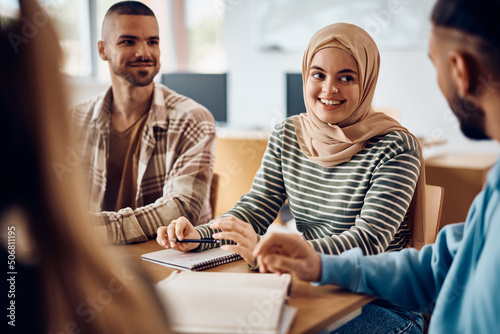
[236,162]
[214,188]
[434,203]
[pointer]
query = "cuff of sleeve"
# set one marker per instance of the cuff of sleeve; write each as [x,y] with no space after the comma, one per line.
[205,231]
[340,269]
[255,265]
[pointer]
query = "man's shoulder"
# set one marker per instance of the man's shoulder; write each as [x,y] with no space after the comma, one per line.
[82,112]
[182,107]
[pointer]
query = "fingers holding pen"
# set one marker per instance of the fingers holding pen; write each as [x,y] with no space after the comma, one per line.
[178,229]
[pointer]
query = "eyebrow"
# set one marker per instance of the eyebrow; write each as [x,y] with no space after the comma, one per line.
[135,37]
[345,70]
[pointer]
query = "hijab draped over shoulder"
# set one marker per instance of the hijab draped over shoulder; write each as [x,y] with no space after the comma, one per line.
[331,144]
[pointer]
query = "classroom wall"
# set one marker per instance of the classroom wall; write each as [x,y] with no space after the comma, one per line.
[256,86]
[407,82]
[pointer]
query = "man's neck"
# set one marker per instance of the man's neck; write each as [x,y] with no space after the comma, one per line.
[491,109]
[129,104]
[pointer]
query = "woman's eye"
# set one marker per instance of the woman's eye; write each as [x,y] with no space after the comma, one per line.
[318,76]
[347,78]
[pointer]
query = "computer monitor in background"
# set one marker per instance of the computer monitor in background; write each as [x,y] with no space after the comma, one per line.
[209,90]
[294,94]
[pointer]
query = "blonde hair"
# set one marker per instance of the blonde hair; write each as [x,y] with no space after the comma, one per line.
[83,285]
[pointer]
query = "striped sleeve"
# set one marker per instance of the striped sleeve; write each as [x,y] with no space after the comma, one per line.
[360,203]
[260,206]
[378,226]
[175,165]
[185,188]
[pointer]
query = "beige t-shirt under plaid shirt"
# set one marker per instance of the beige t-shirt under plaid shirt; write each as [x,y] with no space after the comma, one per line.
[175,164]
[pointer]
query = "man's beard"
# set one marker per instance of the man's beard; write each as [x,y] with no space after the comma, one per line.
[141,79]
[470,117]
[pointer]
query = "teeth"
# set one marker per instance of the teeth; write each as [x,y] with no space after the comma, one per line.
[329,102]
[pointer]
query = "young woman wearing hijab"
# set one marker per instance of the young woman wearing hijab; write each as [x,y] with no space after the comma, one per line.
[353,177]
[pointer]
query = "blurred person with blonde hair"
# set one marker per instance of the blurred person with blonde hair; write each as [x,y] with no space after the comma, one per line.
[59,280]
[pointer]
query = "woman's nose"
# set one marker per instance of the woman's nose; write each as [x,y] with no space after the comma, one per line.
[329,88]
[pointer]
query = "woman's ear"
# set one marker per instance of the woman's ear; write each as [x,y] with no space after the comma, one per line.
[460,73]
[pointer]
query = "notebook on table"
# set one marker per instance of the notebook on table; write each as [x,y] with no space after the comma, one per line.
[223,302]
[194,261]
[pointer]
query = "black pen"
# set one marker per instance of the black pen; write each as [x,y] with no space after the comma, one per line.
[202,240]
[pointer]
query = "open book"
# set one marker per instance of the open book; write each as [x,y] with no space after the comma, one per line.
[217,302]
[191,260]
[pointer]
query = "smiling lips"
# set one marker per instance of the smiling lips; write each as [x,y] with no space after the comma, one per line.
[329,103]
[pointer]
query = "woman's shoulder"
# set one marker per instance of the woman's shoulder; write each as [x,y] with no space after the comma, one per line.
[284,129]
[287,123]
[402,139]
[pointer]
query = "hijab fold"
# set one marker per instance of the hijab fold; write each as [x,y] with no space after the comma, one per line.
[331,144]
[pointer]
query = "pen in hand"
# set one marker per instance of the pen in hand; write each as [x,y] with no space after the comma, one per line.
[202,241]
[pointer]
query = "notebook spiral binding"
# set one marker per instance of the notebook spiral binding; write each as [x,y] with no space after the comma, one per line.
[216,262]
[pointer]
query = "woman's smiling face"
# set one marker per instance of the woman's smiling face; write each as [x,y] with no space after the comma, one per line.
[333,86]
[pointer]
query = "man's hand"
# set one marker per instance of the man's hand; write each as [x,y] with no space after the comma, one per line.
[286,252]
[180,229]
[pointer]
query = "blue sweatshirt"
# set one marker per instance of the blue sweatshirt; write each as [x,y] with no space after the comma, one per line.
[457,279]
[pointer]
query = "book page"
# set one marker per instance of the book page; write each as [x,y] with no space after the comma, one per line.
[224,302]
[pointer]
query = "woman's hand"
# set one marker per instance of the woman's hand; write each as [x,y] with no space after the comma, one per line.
[180,229]
[287,252]
[239,232]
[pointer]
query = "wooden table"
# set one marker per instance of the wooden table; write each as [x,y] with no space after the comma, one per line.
[317,307]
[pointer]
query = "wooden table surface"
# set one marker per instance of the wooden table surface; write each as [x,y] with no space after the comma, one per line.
[317,306]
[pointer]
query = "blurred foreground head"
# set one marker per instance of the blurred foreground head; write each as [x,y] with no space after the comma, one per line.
[465,49]
[78,285]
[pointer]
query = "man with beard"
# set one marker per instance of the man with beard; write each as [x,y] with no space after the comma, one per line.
[457,279]
[146,150]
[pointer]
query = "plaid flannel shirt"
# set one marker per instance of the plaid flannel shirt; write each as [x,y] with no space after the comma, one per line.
[175,164]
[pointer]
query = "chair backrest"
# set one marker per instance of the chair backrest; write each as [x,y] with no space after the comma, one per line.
[434,203]
[236,162]
[214,188]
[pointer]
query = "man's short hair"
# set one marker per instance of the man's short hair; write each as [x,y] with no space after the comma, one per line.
[130,8]
[477,18]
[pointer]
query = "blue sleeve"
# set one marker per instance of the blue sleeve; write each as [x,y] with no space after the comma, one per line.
[482,298]
[481,295]
[409,278]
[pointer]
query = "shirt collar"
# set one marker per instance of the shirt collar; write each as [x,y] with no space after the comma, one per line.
[102,111]
[158,113]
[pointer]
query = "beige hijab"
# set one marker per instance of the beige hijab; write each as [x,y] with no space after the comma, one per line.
[331,144]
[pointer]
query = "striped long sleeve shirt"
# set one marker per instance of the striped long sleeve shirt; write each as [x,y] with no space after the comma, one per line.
[174,169]
[360,203]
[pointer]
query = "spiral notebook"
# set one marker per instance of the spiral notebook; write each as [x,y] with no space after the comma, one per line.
[194,261]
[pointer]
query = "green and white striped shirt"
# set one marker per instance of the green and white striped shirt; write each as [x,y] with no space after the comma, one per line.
[360,203]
